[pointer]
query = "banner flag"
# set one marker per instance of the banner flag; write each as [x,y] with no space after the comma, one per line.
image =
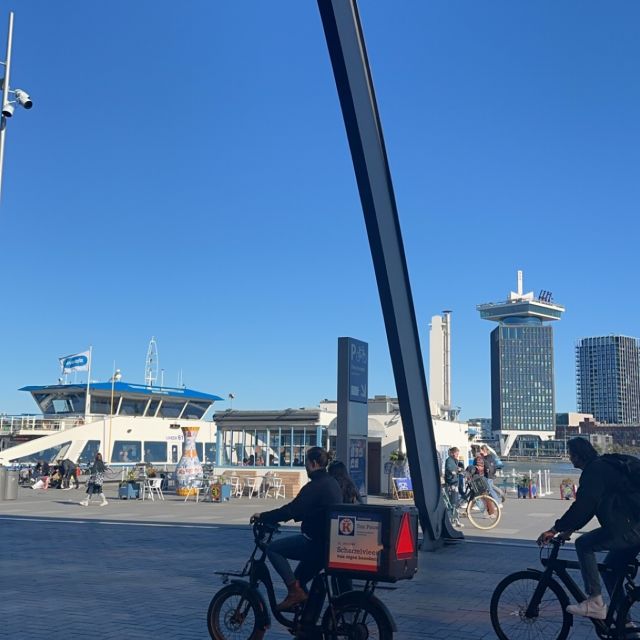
[76,362]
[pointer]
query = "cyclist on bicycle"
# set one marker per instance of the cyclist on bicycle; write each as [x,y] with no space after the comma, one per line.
[619,532]
[308,506]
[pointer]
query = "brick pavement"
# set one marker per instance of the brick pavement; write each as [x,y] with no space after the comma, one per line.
[140,571]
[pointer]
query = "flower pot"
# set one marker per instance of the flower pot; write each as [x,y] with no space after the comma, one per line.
[129,490]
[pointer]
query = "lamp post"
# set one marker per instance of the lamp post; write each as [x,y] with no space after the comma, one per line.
[116,377]
[20,96]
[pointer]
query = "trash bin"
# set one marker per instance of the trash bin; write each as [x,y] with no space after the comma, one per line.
[3,480]
[11,485]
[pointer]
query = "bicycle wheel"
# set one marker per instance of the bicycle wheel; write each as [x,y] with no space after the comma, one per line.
[629,612]
[483,512]
[233,614]
[509,604]
[356,618]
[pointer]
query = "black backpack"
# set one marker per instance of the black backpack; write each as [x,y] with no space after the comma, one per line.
[628,468]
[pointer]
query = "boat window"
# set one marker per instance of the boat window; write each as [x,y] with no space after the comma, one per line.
[101,405]
[126,451]
[49,455]
[133,406]
[60,403]
[170,409]
[153,407]
[210,452]
[195,410]
[155,451]
[89,452]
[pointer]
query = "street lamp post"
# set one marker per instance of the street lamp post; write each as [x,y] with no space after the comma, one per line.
[116,377]
[20,96]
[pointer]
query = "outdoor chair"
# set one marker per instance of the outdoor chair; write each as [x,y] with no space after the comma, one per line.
[253,485]
[237,486]
[275,489]
[155,486]
[194,484]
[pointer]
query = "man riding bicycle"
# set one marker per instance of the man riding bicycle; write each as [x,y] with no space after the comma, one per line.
[309,506]
[619,533]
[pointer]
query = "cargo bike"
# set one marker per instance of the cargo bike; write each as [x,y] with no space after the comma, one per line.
[368,543]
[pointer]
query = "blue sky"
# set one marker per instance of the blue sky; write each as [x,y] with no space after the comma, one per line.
[184,173]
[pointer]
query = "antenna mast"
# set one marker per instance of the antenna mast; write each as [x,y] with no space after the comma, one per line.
[151,363]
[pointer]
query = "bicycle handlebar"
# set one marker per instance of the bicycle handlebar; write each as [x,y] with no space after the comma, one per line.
[262,530]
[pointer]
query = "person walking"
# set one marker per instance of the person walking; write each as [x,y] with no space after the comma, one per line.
[96,480]
[490,467]
[451,474]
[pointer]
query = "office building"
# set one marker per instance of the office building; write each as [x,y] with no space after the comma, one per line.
[522,378]
[608,379]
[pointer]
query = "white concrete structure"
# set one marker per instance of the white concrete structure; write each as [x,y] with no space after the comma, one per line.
[440,367]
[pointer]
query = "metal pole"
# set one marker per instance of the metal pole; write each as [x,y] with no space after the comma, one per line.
[5,95]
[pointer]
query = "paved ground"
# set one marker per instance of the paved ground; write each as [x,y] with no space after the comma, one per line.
[141,570]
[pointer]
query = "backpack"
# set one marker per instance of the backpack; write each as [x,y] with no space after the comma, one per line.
[628,468]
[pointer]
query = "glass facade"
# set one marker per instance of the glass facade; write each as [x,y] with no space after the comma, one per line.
[522,382]
[271,447]
[608,379]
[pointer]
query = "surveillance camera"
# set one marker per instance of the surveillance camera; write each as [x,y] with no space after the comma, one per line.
[7,110]
[24,98]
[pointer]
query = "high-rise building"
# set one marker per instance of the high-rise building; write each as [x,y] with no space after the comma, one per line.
[608,379]
[522,381]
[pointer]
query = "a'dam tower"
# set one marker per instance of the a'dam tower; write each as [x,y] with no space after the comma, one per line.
[522,372]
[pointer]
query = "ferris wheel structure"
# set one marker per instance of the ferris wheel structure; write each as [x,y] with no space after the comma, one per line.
[151,363]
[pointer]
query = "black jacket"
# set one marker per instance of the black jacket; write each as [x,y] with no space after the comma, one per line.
[309,505]
[599,495]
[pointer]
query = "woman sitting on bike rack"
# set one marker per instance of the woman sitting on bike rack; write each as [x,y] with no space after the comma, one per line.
[309,507]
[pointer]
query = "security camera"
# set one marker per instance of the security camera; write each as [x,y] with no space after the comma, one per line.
[7,110]
[24,98]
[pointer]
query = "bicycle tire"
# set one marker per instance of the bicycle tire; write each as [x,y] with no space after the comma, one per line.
[508,612]
[356,617]
[478,513]
[222,609]
[629,611]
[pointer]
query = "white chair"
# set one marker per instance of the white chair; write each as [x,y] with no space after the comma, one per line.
[195,486]
[276,488]
[236,486]
[145,485]
[155,485]
[254,485]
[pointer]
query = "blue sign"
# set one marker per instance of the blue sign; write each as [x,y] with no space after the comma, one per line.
[358,370]
[403,484]
[74,362]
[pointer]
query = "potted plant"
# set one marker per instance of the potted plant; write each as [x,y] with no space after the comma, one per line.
[129,488]
[221,490]
[523,487]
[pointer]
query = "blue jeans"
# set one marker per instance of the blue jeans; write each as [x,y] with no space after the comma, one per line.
[492,491]
[296,547]
[622,550]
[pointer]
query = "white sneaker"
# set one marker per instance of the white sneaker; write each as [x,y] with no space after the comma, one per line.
[104,503]
[84,503]
[590,608]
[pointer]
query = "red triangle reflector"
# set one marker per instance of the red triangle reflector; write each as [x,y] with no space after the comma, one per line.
[405,544]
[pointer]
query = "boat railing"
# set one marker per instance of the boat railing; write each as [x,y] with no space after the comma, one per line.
[16,424]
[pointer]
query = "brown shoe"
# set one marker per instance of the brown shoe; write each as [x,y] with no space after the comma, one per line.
[295,596]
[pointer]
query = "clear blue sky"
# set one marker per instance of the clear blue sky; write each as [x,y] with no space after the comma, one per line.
[185,174]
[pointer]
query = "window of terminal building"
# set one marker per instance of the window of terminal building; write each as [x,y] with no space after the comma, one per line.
[155,451]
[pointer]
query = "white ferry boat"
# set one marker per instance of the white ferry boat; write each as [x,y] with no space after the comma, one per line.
[127,423]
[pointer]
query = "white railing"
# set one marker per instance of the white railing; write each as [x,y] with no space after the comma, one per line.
[15,424]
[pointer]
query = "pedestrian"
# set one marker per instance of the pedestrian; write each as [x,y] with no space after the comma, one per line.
[350,493]
[69,469]
[96,480]
[490,467]
[451,474]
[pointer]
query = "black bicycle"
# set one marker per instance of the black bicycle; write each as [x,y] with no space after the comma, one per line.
[532,603]
[238,610]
